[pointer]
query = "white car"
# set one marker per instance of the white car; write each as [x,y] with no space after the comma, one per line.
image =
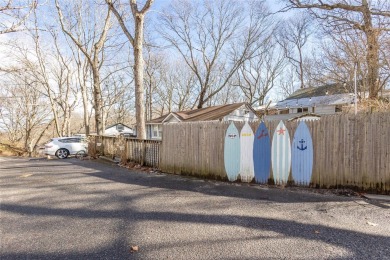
[62,147]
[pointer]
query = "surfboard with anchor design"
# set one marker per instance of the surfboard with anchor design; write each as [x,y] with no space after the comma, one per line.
[302,155]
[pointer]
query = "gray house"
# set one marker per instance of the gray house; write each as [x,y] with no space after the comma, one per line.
[231,112]
[314,101]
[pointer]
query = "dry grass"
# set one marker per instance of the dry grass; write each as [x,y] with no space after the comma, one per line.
[369,105]
[6,150]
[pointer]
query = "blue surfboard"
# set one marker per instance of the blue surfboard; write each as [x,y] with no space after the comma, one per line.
[281,154]
[232,152]
[302,155]
[262,154]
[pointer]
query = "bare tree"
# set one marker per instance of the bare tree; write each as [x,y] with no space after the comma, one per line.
[370,17]
[153,67]
[229,94]
[258,75]
[286,82]
[176,90]
[83,75]
[51,74]
[294,35]
[136,40]
[14,15]
[214,38]
[341,53]
[24,114]
[117,93]
[338,57]
[41,59]
[53,70]
[90,45]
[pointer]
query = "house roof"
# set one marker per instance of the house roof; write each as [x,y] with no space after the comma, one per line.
[202,114]
[116,125]
[331,94]
[326,90]
[337,99]
[307,116]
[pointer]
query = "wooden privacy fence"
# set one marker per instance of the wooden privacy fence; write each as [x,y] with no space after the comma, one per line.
[349,151]
[144,152]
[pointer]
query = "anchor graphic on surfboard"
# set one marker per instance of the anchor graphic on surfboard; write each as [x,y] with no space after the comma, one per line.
[302,148]
[262,134]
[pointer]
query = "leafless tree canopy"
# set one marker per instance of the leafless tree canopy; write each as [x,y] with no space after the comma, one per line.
[13,15]
[214,39]
[293,37]
[372,18]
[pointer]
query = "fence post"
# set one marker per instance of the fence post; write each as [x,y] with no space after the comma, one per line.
[143,152]
[101,141]
[92,146]
[124,151]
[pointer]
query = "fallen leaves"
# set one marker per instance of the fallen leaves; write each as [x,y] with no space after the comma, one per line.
[25,175]
[134,249]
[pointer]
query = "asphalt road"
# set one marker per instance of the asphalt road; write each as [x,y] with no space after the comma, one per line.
[72,209]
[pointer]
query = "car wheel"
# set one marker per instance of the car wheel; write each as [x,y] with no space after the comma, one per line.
[62,153]
[81,154]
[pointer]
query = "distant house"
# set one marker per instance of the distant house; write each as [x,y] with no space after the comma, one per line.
[230,112]
[314,102]
[119,129]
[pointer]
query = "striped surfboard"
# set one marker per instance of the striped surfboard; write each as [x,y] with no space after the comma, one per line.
[302,155]
[281,154]
[262,154]
[246,158]
[232,152]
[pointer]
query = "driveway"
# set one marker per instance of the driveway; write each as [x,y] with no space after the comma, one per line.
[72,209]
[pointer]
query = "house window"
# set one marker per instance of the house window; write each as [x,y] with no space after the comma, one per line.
[284,111]
[338,108]
[303,109]
[120,127]
[156,131]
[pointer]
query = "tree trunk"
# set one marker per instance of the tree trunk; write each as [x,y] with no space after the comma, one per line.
[41,134]
[372,53]
[150,101]
[301,68]
[201,98]
[138,76]
[373,66]
[85,107]
[68,130]
[97,96]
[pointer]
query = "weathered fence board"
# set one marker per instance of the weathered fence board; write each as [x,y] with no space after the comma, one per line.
[349,151]
[144,152]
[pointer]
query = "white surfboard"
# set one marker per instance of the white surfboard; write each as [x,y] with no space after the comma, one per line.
[232,152]
[246,160]
[281,154]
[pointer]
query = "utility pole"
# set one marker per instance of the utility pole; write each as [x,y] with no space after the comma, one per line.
[355,97]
